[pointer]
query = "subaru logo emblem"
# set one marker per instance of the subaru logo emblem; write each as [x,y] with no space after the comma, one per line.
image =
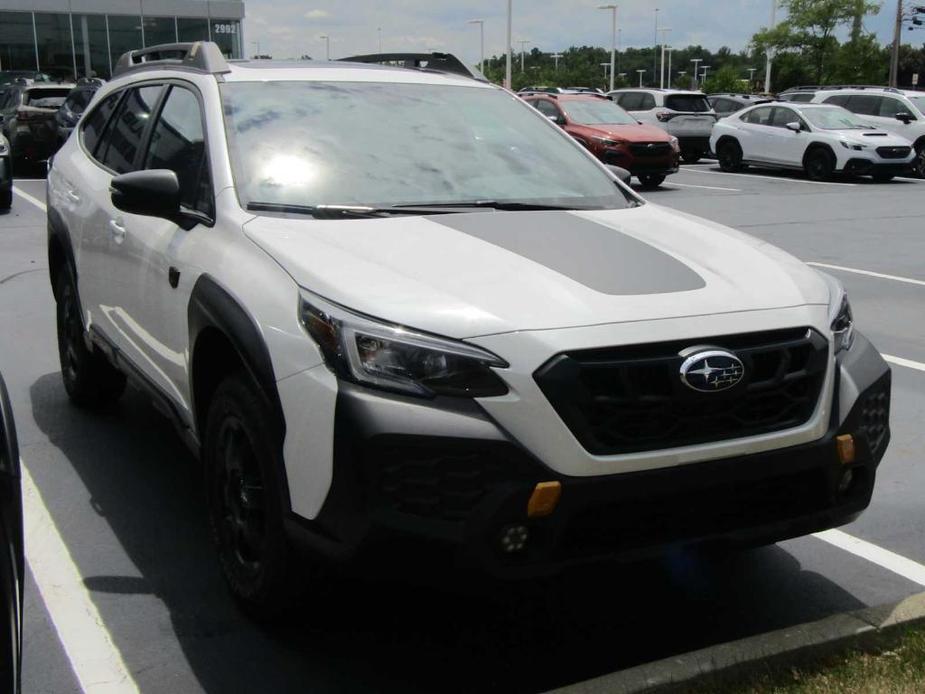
[712,370]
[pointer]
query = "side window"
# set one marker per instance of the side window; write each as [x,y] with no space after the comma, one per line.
[781,116]
[547,109]
[864,105]
[630,101]
[838,100]
[95,123]
[889,107]
[123,139]
[760,116]
[178,144]
[724,106]
[648,102]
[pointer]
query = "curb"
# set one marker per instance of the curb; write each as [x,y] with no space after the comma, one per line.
[783,648]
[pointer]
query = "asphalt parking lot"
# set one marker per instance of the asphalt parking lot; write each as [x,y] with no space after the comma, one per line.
[123,495]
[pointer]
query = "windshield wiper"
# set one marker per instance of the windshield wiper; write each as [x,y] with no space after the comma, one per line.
[485,204]
[342,211]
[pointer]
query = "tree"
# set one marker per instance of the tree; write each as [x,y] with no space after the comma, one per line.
[810,29]
[726,80]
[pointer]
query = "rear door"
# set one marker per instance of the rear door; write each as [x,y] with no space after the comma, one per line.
[756,133]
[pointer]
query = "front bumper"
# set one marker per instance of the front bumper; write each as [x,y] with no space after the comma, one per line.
[864,167]
[35,144]
[445,495]
[637,165]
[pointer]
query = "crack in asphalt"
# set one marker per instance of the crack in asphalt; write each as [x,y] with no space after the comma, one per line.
[20,274]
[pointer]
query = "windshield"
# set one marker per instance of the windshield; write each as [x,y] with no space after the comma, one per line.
[382,144]
[833,118]
[598,112]
[918,102]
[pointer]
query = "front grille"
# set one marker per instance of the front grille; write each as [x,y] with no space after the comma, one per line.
[894,152]
[631,399]
[650,149]
[440,479]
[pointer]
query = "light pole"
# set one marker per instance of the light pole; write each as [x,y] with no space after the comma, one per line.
[669,50]
[507,50]
[655,46]
[619,44]
[379,36]
[767,70]
[613,40]
[661,80]
[751,76]
[556,56]
[481,23]
[523,46]
[696,62]
[703,75]
[327,46]
[257,48]
[641,73]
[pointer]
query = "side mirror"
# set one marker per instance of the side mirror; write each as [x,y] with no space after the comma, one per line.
[795,127]
[620,173]
[152,193]
[905,117]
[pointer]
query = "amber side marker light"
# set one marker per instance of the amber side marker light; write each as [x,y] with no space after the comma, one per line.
[544,499]
[845,446]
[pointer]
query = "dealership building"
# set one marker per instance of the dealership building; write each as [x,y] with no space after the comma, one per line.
[77,38]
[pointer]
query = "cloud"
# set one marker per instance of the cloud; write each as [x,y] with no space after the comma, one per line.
[317,14]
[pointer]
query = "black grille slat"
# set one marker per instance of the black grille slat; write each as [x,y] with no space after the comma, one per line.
[894,152]
[631,399]
[650,149]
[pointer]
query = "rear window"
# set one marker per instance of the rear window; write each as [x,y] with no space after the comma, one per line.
[77,100]
[691,103]
[46,98]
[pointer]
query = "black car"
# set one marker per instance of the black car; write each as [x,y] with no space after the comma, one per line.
[11,548]
[727,104]
[74,105]
[6,174]
[27,118]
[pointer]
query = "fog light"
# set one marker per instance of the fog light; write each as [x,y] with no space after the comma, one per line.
[846,479]
[514,538]
[845,446]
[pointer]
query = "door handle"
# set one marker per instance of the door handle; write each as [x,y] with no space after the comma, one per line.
[72,196]
[117,230]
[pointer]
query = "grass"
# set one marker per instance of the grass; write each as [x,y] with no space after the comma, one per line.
[896,667]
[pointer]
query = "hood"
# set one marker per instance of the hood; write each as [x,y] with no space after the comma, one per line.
[630,132]
[481,273]
[872,138]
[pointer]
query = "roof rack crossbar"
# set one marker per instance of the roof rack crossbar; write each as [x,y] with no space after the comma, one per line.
[204,56]
[434,62]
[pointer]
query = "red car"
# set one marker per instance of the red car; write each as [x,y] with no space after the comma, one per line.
[612,135]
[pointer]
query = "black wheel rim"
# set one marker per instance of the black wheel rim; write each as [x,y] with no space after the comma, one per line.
[918,164]
[240,498]
[728,157]
[818,167]
[70,334]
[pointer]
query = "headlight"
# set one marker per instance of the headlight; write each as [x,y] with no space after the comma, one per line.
[675,143]
[607,142]
[367,351]
[851,145]
[843,325]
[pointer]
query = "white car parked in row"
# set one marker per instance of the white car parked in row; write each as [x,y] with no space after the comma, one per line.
[819,139]
[403,317]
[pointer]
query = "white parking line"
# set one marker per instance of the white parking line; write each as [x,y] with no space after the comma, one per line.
[771,178]
[95,660]
[688,185]
[880,275]
[884,558]
[28,198]
[908,363]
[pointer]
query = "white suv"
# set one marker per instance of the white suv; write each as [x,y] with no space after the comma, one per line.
[398,309]
[816,138]
[686,115]
[894,110]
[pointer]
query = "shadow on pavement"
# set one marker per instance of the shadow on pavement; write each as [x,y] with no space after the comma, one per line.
[384,635]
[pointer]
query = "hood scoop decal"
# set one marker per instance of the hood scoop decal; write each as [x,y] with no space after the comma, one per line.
[595,255]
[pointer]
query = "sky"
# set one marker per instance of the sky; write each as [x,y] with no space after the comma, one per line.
[291,28]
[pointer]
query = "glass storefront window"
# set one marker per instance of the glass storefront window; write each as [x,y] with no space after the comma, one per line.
[193,29]
[56,51]
[124,35]
[227,34]
[17,49]
[90,46]
[160,30]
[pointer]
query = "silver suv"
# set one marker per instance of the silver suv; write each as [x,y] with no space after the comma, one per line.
[894,110]
[686,115]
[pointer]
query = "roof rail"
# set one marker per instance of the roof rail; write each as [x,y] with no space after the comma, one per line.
[434,62]
[203,56]
[826,87]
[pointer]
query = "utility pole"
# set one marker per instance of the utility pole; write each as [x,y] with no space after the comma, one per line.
[897,40]
[613,41]
[696,62]
[523,46]
[767,70]
[481,23]
[507,50]
[556,56]
[661,80]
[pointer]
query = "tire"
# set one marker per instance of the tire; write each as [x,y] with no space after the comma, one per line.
[90,380]
[883,178]
[649,181]
[6,199]
[918,164]
[819,165]
[691,156]
[729,153]
[243,444]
